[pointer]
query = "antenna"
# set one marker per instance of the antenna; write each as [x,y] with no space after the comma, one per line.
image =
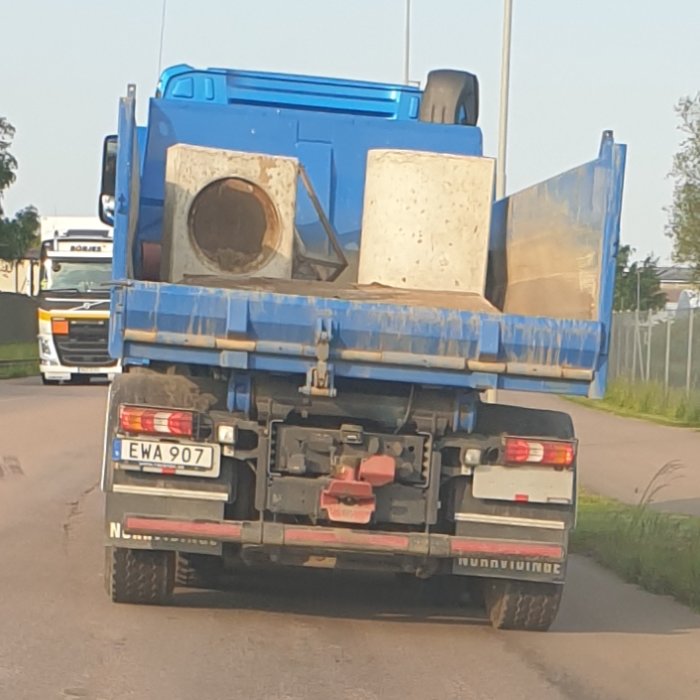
[162,36]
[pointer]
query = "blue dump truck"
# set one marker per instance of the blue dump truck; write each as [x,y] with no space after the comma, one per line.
[314,291]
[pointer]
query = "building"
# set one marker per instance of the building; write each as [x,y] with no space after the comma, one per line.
[22,277]
[675,281]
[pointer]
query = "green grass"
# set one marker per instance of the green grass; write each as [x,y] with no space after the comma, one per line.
[658,551]
[19,351]
[651,401]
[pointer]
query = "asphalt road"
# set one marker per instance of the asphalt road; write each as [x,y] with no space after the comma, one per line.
[293,636]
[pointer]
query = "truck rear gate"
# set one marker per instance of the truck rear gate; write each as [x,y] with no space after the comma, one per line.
[370,333]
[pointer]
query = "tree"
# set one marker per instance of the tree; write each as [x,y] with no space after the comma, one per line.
[20,233]
[684,214]
[637,279]
[8,164]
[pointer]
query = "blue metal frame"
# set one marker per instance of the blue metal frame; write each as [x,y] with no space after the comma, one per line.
[285,91]
[331,145]
[284,115]
[614,157]
[189,324]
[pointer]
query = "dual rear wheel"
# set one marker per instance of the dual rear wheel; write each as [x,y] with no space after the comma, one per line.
[142,576]
[148,577]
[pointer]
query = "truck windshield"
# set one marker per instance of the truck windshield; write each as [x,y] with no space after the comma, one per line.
[80,275]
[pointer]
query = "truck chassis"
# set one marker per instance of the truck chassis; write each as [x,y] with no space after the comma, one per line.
[371,482]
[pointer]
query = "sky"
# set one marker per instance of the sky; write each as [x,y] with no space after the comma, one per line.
[578,67]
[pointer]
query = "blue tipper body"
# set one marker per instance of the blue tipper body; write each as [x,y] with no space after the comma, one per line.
[329,125]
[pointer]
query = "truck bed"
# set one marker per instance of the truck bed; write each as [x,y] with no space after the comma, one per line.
[541,341]
[374,293]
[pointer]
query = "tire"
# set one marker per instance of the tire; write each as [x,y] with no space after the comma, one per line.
[197,570]
[139,576]
[522,605]
[450,97]
[49,382]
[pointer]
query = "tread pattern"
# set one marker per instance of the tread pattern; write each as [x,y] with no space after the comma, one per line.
[522,605]
[196,570]
[450,97]
[140,576]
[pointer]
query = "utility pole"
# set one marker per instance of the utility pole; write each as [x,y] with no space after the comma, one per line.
[407,45]
[162,37]
[505,85]
[491,395]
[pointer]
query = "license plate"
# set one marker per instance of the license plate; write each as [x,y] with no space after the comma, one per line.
[157,455]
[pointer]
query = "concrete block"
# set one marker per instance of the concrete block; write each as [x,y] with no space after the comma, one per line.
[228,213]
[426,221]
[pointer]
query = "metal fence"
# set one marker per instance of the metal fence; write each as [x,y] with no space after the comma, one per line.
[658,347]
[18,322]
[18,330]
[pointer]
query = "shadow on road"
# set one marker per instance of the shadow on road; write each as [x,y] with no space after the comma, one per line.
[596,601]
[591,604]
[335,595]
[662,617]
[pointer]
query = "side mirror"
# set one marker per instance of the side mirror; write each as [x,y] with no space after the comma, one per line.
[109,180]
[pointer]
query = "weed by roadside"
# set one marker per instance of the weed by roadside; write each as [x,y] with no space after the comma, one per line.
[649,400]
[12,356]
[658,551]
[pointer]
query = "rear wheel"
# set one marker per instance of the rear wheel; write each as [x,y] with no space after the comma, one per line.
[197,570]
[522,605]
[140,576]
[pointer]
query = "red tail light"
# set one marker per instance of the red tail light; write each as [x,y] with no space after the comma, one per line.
[551,453]
[156,422]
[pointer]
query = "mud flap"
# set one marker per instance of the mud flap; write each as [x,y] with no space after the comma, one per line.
[119,505]
[511,568]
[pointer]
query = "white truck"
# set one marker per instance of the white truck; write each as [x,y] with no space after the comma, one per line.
[76,265]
